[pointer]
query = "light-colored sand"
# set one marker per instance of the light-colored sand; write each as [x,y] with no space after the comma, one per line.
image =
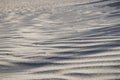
[10,5]
[59,40]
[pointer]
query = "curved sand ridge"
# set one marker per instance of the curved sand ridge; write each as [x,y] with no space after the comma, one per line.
[72,42]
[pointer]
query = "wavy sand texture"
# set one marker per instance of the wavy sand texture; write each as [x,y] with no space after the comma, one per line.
[59,40]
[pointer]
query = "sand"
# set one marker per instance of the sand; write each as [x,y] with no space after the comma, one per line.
[59,40]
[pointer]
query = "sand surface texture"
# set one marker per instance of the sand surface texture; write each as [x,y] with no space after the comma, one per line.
[59,39]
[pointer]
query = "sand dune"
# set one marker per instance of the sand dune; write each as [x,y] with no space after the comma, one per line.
[59,40]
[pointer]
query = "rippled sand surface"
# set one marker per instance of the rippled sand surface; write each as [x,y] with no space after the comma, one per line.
[59,40]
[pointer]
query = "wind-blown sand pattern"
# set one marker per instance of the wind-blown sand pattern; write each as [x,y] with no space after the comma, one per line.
[59,39]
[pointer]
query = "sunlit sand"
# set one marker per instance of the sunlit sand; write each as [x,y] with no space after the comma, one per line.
[59,40]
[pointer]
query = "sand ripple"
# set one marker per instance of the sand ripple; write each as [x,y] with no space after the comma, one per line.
[73,41]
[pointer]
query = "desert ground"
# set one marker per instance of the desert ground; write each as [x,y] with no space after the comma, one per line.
[59,39]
